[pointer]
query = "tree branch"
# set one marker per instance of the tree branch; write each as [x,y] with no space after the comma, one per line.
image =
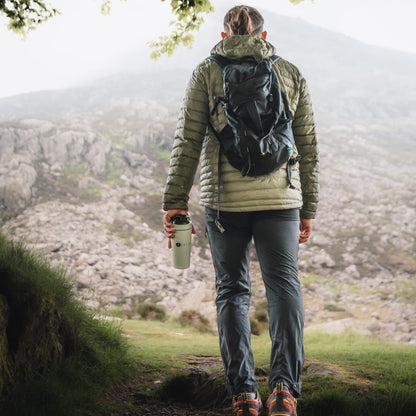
[189,17]
[26,15]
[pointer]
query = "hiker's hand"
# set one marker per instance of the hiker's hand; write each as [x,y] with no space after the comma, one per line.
[169,227]
[305,229]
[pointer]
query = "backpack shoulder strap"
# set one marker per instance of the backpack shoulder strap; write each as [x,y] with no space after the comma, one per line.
[221,60]
[274,58]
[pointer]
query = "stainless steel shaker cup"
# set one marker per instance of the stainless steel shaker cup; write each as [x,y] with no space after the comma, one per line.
[181,244]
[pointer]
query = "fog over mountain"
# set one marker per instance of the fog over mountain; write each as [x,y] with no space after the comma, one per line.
[347,77]
[82,172]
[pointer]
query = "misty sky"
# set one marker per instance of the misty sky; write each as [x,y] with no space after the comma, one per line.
[81,44]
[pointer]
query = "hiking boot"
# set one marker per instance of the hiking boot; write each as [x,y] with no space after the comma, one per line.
[281,402]
[246,404]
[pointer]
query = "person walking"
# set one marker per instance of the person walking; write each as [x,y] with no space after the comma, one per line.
[239,209]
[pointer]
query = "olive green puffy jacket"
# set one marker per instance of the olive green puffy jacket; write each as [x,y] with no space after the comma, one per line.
[193,137]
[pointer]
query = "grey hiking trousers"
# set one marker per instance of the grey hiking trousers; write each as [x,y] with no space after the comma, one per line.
[276,238]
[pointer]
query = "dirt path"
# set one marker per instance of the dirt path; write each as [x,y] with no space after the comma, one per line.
[136,403]
[201,392]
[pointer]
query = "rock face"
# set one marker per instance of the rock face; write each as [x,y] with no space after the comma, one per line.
[36,147]
[109,267]
[16,184]
[85,191]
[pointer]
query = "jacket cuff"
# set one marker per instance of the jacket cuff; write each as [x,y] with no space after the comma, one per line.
[307,215]
[167,207]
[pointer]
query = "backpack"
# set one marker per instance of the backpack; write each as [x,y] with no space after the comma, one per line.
[258,137]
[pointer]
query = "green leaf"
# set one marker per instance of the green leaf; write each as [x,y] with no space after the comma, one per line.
[189,17]
[25,15]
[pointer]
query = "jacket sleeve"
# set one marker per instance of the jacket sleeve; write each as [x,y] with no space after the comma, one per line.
[306,142]
[187,145]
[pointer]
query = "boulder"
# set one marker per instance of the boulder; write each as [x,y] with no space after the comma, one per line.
[16,187]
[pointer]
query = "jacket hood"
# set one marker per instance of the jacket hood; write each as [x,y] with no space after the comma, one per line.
[238,46]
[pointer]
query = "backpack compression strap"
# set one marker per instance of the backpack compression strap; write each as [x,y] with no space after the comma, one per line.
[223,61]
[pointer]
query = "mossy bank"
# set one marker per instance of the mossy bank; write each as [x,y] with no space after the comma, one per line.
[55,357]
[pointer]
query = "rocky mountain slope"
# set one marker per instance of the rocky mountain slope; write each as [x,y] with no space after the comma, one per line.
[91,202]
[84,189]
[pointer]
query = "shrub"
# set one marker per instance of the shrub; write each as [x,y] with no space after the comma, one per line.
[151,312]
[195,319]
[118,312]
[261,316]
[256,327]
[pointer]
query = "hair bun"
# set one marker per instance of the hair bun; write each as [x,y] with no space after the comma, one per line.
[243,20]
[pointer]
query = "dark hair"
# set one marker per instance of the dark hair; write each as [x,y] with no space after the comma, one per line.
[243,20]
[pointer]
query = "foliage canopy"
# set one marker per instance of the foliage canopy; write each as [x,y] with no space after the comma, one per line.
[26,15]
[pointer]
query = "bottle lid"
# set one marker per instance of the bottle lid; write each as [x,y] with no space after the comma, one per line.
[180,219]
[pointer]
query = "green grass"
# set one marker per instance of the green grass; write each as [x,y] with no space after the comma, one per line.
[159,344]
[124,231]
[59,360]
[116,136]
[406,291]
[389,369]
[312,278]
[95,191]
[149,207]
[377,378]
[74,171]
[113,170]
[159,153]
[55,357]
